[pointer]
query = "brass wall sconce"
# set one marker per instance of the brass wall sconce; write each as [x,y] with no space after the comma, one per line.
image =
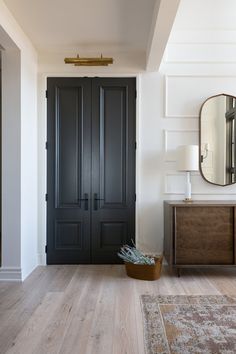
[100,61]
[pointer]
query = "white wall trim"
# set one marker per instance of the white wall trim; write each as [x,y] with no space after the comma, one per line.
[166,132]
[199,62]
[201,43]
[199,76]
[203,36]
[227,60]
[166,93]
[10,274]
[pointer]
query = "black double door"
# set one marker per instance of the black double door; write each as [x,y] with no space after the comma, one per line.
[90,168]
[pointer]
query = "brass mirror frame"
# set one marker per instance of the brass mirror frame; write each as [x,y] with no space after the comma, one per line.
[200,166]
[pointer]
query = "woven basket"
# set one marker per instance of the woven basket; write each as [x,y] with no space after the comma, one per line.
[144,271]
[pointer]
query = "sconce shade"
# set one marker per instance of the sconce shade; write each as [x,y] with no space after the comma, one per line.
[187,158]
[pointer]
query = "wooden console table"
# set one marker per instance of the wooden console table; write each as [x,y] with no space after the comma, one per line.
[200,234]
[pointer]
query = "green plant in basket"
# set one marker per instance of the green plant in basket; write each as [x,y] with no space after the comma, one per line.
[131,254]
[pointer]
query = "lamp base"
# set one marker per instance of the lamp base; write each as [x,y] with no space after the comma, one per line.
[188,188]
[188,200]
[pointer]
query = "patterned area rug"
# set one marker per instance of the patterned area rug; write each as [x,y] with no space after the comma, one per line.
[189,324]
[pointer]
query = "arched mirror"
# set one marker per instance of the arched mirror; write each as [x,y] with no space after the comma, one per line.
[218,140]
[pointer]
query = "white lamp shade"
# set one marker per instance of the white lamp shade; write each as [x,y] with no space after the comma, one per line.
[188,158]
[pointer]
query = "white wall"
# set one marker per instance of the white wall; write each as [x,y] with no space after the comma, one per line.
[29,165]
[200,61]
[11,178]
[19,185]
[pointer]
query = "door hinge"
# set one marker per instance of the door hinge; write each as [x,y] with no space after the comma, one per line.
[46,249]
[46,93]
[135,145]
[135,197]
[135,93]
[46,145]
[46,197]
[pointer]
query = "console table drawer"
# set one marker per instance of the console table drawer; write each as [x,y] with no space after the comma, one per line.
[204,235]
[201,233]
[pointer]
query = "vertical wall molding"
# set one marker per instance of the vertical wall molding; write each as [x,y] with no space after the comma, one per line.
[166,99]
[178,131]
[167,78]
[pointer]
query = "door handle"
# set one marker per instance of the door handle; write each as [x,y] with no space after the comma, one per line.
[85,200]
[95,201]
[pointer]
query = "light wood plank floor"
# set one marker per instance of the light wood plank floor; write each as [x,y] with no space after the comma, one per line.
[90,309]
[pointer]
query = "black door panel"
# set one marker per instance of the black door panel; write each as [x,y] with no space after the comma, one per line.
[113,166]
[90,169]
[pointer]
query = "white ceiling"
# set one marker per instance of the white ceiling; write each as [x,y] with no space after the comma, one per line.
[59,25]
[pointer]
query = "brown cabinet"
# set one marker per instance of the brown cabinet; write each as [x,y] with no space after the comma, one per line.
[199,234]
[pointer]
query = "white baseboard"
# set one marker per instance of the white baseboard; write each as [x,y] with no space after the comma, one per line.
[41,259]
[10,274]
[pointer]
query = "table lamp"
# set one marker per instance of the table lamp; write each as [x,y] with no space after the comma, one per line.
[187,161]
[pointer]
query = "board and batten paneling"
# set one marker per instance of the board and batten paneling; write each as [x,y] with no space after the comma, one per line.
[199,62]
[184,94]
[183,97]
[201,53]
[174,138]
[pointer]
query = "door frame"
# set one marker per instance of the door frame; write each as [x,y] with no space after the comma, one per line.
[42,155]
[96,232]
